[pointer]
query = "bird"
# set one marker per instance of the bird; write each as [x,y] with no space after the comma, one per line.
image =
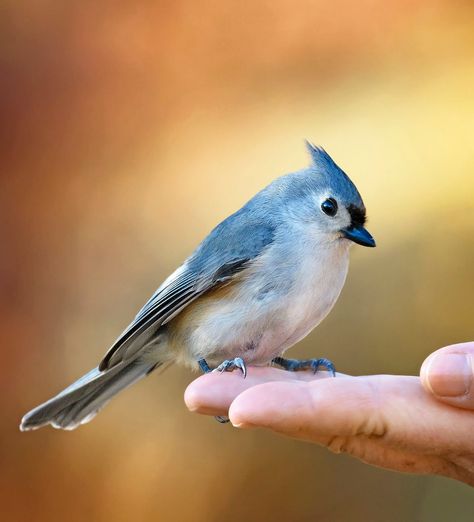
[255,286]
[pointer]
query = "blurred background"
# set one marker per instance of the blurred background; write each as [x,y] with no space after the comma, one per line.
[128,130]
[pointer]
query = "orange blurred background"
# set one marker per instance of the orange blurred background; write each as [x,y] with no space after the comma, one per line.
[128,130]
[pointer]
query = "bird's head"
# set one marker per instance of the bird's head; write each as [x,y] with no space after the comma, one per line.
[330,202]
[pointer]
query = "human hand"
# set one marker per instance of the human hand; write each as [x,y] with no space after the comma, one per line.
[394,422]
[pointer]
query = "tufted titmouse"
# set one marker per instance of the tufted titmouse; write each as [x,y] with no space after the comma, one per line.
[259,282]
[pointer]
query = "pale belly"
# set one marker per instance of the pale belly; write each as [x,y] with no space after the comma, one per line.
[255,320]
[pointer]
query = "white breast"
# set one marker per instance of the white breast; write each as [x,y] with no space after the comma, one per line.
[318,281]
[281,298]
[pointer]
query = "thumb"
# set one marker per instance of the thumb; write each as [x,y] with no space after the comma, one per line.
[448,374]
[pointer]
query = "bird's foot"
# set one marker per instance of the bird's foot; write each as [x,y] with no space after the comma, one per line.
[204,366]
[226,366]
[232,364]
[295,365]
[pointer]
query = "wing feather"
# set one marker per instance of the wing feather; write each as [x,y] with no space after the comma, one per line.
[226,251]
[163,308]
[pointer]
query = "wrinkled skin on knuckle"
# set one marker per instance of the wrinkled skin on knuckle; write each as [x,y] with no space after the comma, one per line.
[361,447]
[462,463]
[366,411]
[339,445]
[373,423]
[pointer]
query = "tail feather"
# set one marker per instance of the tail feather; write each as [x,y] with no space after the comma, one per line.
[80,402]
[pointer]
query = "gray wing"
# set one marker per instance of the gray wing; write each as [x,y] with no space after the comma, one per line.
[226,251]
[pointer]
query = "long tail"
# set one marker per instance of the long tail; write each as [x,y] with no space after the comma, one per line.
[81,401]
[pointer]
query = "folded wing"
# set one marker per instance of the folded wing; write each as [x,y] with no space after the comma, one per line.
[228,249]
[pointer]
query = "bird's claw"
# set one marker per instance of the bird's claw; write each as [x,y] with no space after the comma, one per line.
[221,419]
[226,366]
[294,365]
[325,363]
[232,364]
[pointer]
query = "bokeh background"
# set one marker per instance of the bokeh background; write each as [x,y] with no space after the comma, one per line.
[128,130]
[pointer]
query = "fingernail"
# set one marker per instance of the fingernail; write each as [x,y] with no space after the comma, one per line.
[450,374]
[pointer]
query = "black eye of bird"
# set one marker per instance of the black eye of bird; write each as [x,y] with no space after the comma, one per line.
[329,207]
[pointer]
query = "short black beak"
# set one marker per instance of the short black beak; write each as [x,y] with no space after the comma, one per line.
[359,235]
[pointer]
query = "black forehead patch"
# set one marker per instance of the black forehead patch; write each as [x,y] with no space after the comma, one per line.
[358,216]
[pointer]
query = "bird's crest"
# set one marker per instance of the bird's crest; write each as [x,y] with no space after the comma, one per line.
[319,155]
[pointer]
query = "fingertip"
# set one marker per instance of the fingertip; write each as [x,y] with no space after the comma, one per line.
[439,360]
[201,397]
[242,410]
[266,405]
[193,396]
[448,374]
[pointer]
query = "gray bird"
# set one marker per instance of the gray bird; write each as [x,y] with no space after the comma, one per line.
[259,282]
